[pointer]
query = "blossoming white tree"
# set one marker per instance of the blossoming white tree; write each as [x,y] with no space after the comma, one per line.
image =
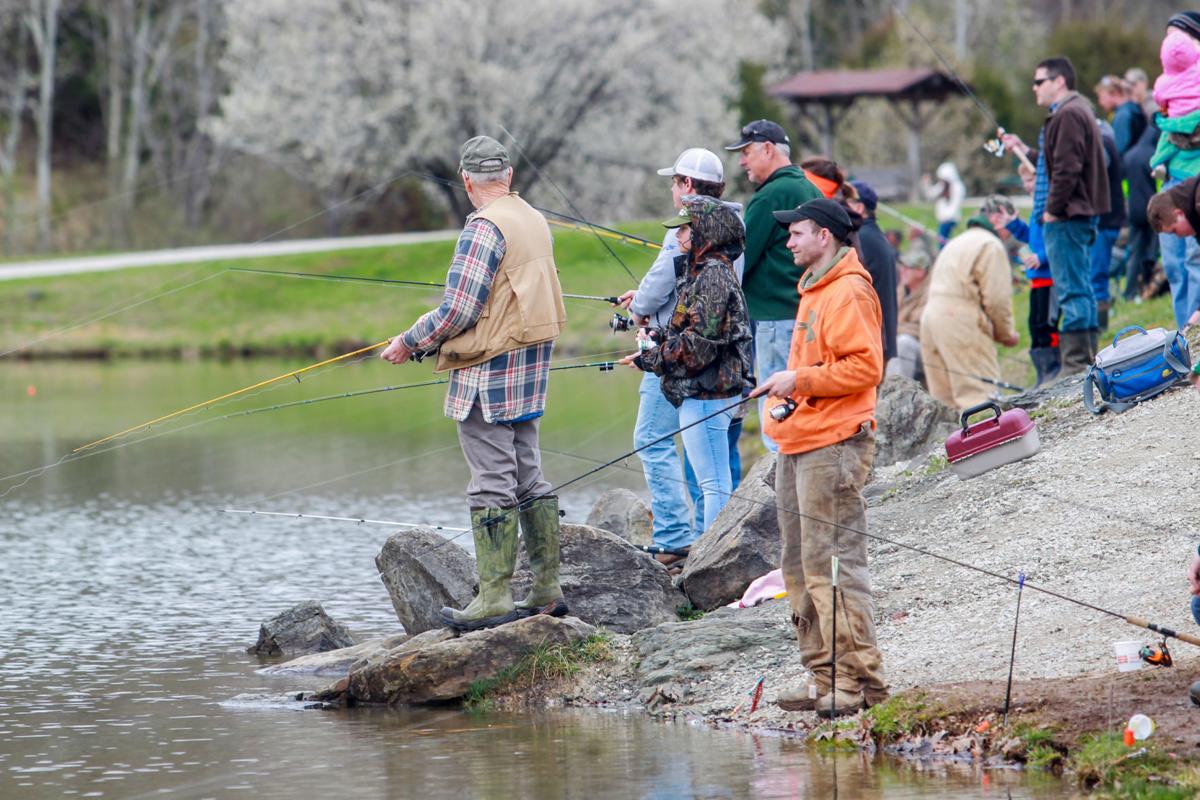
[595,92]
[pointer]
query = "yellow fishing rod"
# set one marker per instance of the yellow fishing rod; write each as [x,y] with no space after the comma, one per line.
[294,373]
[620,237]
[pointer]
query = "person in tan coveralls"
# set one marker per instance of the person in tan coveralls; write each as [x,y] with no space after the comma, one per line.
[826,449]
[969,309]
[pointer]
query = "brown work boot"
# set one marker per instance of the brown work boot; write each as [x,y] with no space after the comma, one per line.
[839,704]
[874,698]
[802,698]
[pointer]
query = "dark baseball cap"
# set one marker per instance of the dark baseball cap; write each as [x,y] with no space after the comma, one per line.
[761,130]
[824,212]
[483,154]
[866,194]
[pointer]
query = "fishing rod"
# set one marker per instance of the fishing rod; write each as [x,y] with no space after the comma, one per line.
[1130,619]
[388,522]
[621,237]
[893,212]
[296,373]
[356,279]
[993,146]
[1012,387]
[603,366]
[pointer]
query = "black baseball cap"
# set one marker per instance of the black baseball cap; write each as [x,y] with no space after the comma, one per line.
[824,212]
[761,130]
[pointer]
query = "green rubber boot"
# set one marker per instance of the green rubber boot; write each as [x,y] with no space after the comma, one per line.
[540,525]
[495,533]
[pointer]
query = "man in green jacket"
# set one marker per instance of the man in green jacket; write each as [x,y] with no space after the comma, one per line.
[770,276]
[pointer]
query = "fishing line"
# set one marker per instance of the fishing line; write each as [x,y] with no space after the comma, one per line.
[358,520]
[106,314]
[566,199]
[953,74]
[355,279]
[913,548]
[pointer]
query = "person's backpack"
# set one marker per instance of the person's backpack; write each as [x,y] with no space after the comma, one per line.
[1136,368]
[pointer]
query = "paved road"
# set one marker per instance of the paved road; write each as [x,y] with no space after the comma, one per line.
[191,255]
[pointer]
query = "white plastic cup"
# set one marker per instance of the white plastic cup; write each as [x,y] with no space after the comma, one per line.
[1142,726]
[1128,658]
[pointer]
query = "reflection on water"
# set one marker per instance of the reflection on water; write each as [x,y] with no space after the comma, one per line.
[126,602]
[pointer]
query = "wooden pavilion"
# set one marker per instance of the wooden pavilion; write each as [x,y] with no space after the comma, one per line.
[824,96]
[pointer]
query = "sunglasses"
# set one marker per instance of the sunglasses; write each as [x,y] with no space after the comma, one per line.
[1039,81]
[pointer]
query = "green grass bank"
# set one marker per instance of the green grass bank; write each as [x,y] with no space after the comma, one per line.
[207,310]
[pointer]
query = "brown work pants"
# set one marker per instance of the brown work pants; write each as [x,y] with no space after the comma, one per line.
[954,350]
[813,491]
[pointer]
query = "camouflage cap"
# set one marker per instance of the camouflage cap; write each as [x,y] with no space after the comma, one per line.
[483,154]
[916,258]
[681,218]
[996,204]
[713,222]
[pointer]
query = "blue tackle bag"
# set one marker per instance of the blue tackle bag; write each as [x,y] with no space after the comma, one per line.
[1136,368]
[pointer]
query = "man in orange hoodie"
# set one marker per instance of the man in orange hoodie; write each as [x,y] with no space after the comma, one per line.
[826,448]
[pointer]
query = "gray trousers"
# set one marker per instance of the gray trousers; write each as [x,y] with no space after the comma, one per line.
[505,463]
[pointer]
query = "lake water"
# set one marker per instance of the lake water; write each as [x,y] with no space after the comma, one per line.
[128,600]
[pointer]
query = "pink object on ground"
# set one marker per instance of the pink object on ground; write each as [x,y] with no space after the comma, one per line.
[1178,88]
[766,587]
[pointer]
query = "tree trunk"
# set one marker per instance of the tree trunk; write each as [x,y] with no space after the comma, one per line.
[14,113]
[115,109]
[137,108]
[42,21]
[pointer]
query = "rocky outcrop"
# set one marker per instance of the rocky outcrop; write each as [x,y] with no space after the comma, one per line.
[608,582]
[741,544]
[622,512]
[304,628]
[910,421]
[335,663]
[424,572]
[682,652]
[437,667]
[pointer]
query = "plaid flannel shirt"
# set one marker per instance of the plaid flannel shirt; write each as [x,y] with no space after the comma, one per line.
[1041,179]
[510,387]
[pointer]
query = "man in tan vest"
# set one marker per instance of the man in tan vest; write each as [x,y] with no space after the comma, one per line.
[494,332]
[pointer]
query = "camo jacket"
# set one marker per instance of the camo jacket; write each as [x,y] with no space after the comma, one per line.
[705,350]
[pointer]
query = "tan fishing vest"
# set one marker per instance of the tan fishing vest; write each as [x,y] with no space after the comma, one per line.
[525,304]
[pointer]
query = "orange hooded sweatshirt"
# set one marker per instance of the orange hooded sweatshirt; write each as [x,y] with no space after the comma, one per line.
[837,354]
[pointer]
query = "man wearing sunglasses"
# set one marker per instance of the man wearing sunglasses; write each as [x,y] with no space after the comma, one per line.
[1070,191]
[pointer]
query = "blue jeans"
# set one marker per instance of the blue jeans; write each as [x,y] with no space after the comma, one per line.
[772,343]
[1068,244]
[735,474]
[946,228]
[707,448]
[1101,260]
[660,464]
[1196,608]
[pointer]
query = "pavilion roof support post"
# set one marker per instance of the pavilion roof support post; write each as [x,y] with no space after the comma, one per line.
[915,121]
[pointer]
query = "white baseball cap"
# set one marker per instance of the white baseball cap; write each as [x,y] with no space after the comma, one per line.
[697,163]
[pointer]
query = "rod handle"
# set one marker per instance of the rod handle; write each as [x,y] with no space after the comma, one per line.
[1150,626]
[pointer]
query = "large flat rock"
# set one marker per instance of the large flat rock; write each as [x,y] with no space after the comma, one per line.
[438,667]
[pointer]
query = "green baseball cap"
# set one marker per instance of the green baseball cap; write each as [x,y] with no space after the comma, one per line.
[679,220]
[483,154]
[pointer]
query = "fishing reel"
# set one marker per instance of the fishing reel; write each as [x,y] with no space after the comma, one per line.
[620,324]
[781,412]
[1157,655]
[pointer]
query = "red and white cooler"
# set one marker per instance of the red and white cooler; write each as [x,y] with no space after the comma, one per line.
[1005,437]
